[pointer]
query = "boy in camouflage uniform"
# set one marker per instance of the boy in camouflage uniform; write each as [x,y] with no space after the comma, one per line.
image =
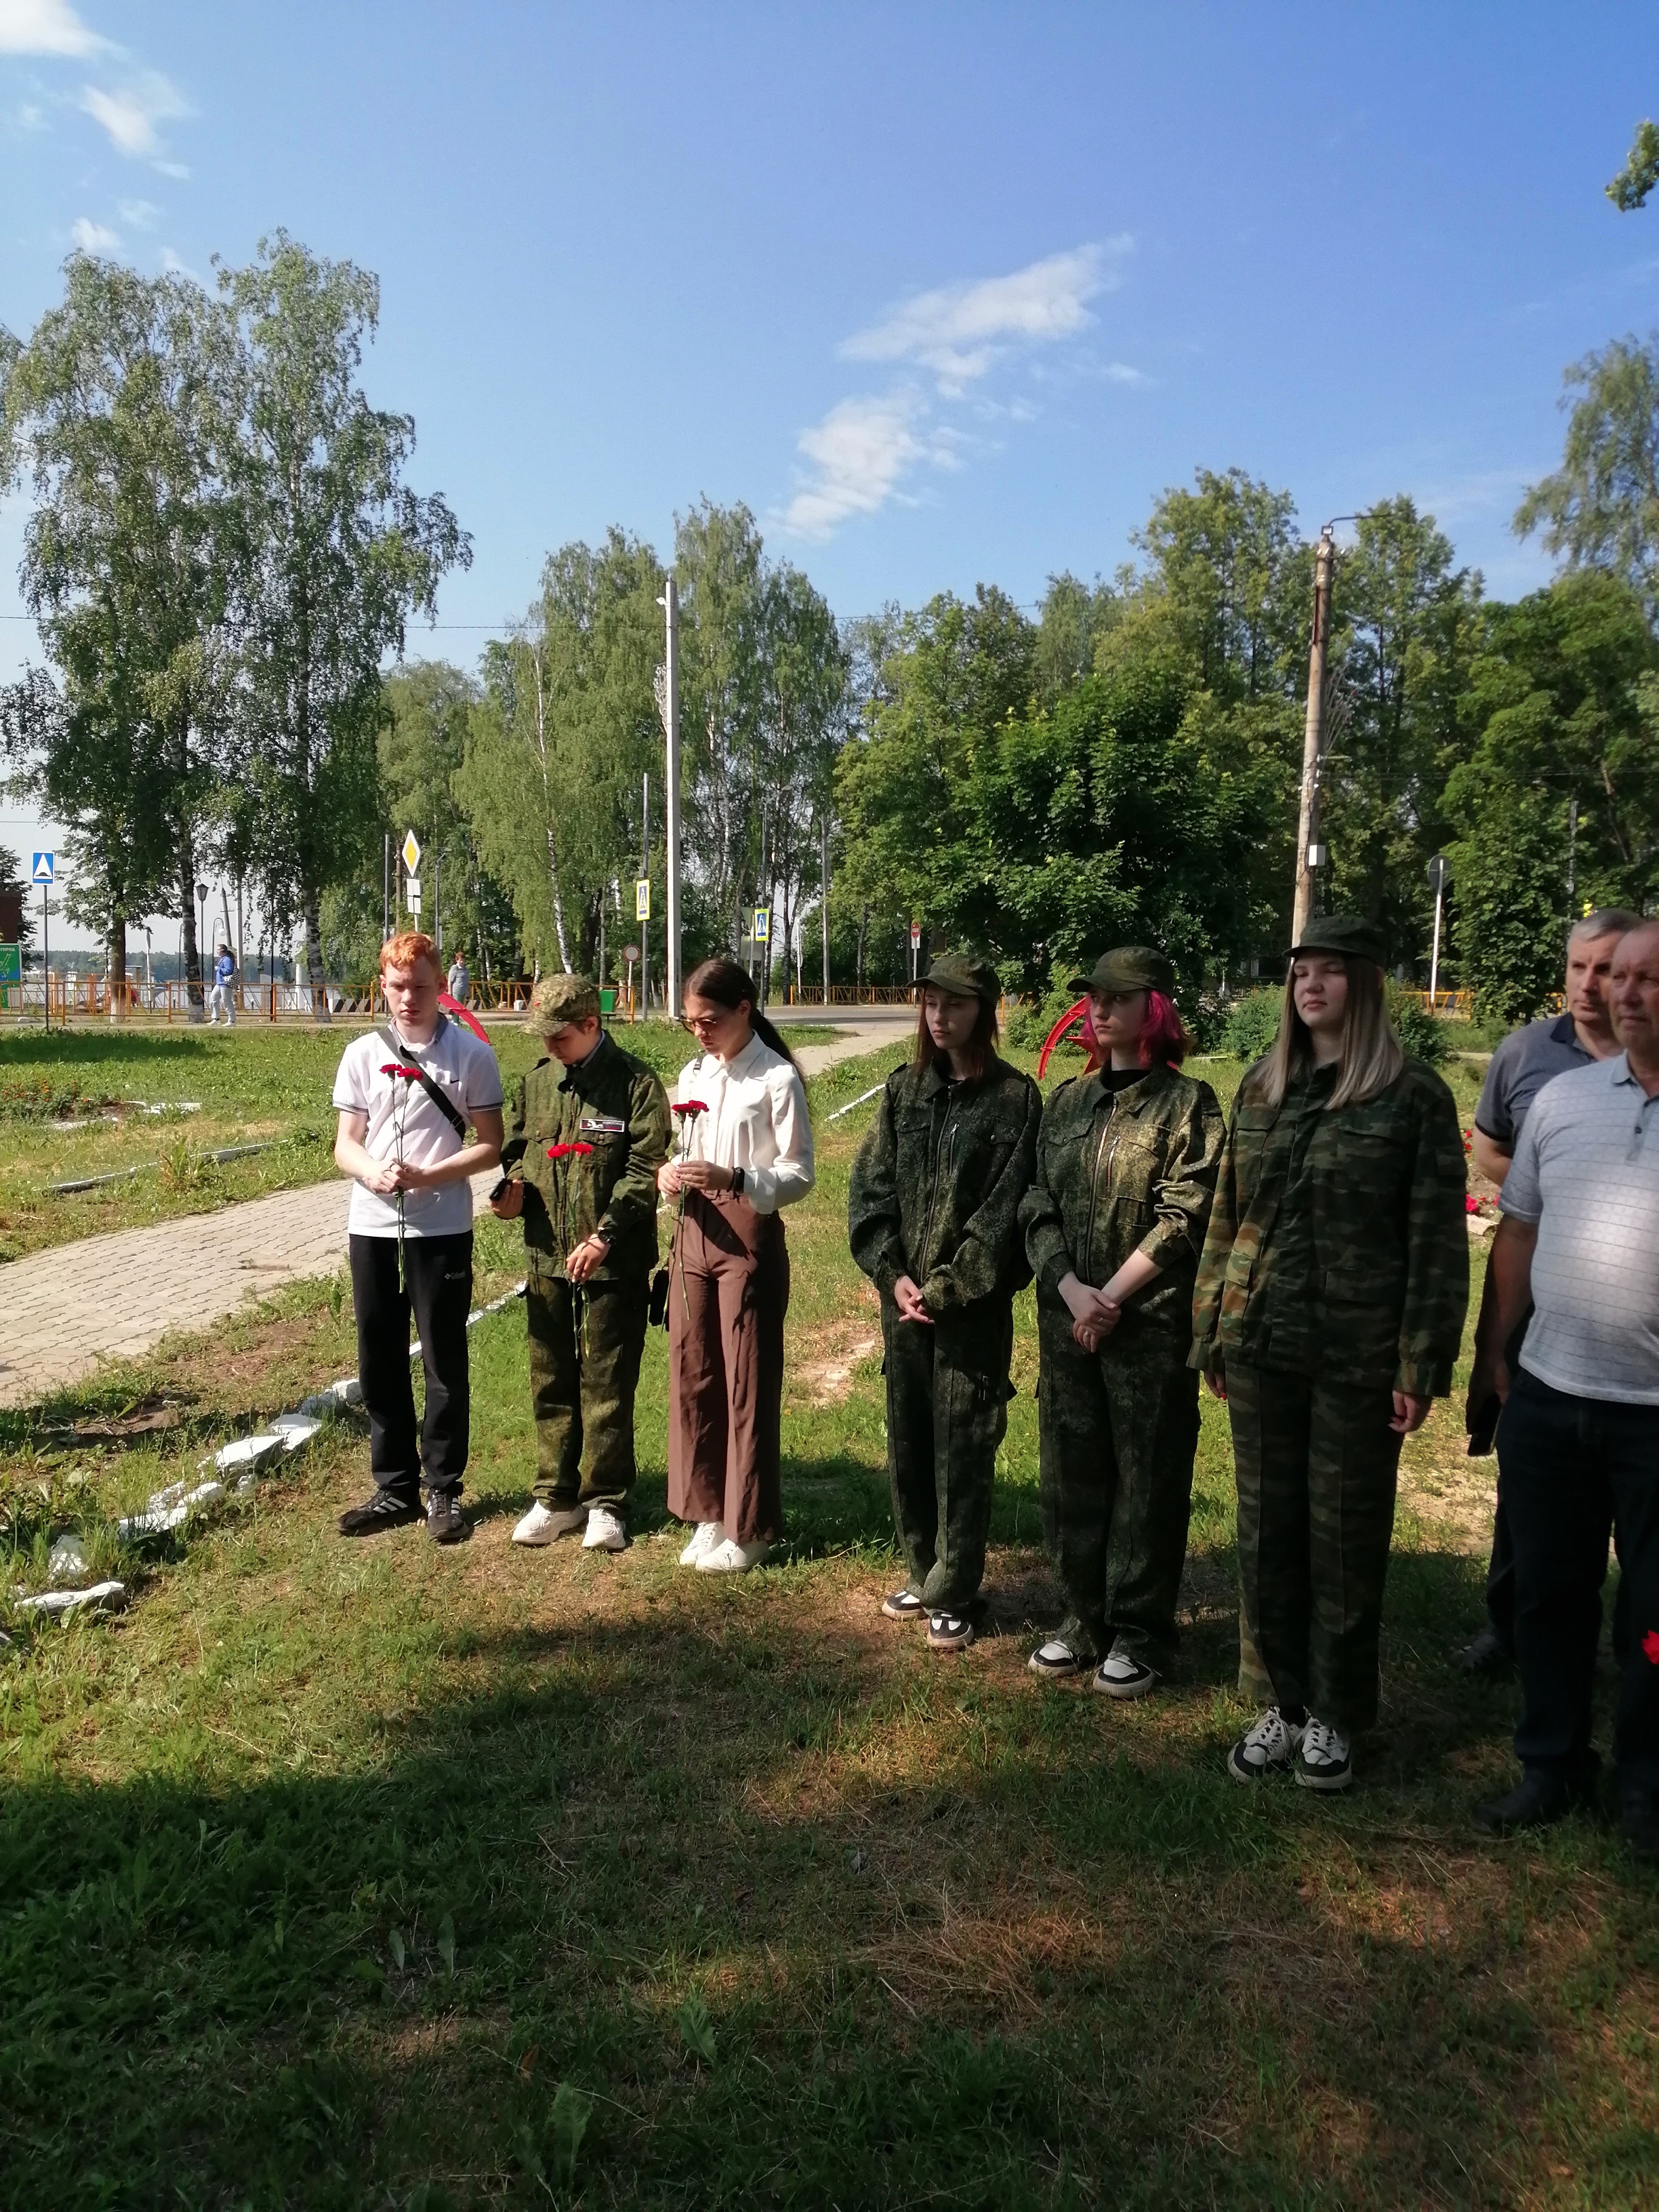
[1328,1312]
[587,1129]
[932,1219]
[1126,1168]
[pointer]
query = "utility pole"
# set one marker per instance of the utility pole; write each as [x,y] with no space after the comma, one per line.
[823,831]
[1439,877]
[1309,855]
[1572,861]
[386,892]
[645,873]
[671,720]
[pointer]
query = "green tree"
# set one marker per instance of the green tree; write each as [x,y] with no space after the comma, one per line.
[556,748]
[1226,570]
[337,552]
[1563,707]
[1600,508]
[1073,619]
[119,411]
[1630,188]
[720,565]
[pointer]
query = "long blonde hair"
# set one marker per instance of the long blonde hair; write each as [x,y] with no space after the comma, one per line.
[1371,1053]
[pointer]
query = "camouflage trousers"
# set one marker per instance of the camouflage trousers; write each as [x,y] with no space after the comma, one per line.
[1317,1464]
[584,1349]
[947,1412]
[1118,1432]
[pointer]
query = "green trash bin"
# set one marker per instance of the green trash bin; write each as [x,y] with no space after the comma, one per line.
[607,997]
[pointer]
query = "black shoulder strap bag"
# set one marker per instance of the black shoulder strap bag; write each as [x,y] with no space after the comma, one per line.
[434,1091]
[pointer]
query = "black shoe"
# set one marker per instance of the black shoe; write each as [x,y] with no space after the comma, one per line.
[1638,1823]
[387,1508]
[950,1632]
[1488,1658]
[445,1524]
[1537,1801]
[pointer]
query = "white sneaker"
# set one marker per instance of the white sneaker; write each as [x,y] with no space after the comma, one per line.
[606,1531]
[706,1537]
[732,1558]
[543,1523]
[1325,1762]
[1273,1742]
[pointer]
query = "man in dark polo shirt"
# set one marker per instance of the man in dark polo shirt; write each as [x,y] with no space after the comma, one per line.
[1526,1061]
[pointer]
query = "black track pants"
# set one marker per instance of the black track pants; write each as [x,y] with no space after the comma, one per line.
[439,1271]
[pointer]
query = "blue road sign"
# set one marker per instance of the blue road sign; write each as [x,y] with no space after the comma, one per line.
[40,872]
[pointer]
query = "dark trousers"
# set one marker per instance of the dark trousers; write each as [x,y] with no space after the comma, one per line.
[1316,1465]
[1572,1468]
[1117,1431]
[585,1348]
[439,1270]
[947,1412]
[727,1300]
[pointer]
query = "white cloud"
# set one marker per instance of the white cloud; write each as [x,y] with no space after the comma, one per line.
[860,453]
[131,114]
[138,214]
[1119,372]
[959,331]
[45,26]
[93,237]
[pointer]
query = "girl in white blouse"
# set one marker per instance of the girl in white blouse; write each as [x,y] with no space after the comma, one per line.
[744,1151]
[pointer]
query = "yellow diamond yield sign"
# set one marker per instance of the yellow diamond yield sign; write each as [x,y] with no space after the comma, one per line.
[412,851]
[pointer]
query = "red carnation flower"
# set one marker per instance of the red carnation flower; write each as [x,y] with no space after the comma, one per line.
[397,1067]
[691,1106]
[569,1151]
[1650,1646]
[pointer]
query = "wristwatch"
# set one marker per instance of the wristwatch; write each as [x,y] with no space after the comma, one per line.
[736,1182]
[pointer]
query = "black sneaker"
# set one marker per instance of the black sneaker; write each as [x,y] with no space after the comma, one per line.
[445,1522]
[1538,1800]
[1324,1761]
[1121,1675]
[950,1632]
[903,1605]
[387,1508]
[1488,1659]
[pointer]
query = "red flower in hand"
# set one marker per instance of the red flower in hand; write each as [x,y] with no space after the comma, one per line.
[397,1067]
[569,1151]
[1650,1646]
[1471,1204]
[690,1106]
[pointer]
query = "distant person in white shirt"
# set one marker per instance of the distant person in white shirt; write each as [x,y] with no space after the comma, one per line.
[1578,1437]
[743,1151]
[406,1094]
[461,983]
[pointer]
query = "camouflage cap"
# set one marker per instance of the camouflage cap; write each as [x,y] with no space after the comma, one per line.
[1128,968]
[1350,934]
[965,976]
[559,1001]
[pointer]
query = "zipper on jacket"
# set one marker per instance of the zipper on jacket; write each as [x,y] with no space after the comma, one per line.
[941,1153]
[1110,1130]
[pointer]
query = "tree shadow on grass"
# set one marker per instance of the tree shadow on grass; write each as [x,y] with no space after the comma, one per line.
[949,1945]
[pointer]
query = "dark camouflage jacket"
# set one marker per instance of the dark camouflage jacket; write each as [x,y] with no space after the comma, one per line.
[936,1186]
[1125,1171]
[1338,1245]
[615,1105]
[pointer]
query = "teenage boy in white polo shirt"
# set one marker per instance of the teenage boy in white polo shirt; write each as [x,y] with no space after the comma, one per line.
[406,1094]
[1578,1438]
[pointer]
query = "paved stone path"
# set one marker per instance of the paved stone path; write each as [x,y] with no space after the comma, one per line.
[68,1310]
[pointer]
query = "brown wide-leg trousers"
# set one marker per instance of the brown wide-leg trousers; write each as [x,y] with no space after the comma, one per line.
[727,1295]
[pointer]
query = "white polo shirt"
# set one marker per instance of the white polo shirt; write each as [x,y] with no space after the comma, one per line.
[1586,1173]
[401,1114]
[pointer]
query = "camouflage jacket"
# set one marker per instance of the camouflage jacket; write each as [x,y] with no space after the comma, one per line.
[1337,1245]
[1125,1171]
[615,1105]
[936,1186]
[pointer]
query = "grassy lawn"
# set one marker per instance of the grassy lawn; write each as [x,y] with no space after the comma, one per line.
[253,1085]
[374,1876]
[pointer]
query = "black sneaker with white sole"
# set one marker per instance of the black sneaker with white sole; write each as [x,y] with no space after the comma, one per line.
[1268,1747]
[904,1605]
[950,1632]
[387,1508]
[1056,1660]
[1121,1675]
[445,1524]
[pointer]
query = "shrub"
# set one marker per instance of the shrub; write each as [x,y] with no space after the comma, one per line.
[1423,1036]
[1252,1023]
[1030,1021]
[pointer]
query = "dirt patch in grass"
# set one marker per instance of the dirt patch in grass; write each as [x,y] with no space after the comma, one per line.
[821,1372]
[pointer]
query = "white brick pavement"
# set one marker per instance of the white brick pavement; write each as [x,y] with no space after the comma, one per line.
[66,1312]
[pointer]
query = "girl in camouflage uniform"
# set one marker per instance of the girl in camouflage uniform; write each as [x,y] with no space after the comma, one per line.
[1114,1226]
[1328,1313]
[932,1216]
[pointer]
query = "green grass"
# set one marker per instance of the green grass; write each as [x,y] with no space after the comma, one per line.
[253,1084]
[372,1875]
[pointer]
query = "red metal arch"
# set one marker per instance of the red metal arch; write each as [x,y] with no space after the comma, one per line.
[1074,1017]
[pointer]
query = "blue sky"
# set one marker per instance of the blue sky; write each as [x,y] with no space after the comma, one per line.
[944,294]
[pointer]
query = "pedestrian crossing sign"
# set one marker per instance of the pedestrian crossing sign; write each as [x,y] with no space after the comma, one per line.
[41,870]
[642,898]
[763,924]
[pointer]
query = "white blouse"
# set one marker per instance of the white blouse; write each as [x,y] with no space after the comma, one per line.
[756,1120]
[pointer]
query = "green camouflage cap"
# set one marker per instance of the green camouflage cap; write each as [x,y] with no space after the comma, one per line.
[1128,968]
[559,1001]
[1350,934]
[965,976]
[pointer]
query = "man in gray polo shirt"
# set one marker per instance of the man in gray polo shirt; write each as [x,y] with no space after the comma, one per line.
[1578,1441]
[1523,1063]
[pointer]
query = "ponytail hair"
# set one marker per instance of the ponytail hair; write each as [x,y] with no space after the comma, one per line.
[732,987]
